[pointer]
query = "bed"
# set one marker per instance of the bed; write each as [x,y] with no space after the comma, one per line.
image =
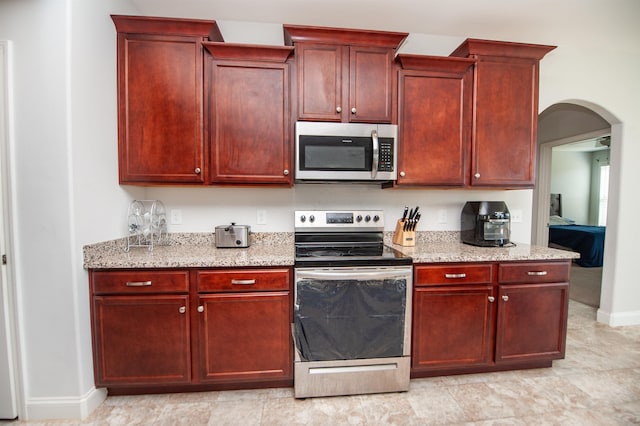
[584,239]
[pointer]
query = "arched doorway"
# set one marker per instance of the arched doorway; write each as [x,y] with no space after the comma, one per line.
[563,123]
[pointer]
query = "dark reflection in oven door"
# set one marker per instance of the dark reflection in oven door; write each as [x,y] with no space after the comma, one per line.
[350,319]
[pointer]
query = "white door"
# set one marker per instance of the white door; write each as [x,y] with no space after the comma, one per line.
[8,405]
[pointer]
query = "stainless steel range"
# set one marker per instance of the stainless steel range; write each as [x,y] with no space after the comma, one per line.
[352,311]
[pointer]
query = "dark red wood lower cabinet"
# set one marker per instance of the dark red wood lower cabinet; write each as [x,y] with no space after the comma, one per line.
[141,339]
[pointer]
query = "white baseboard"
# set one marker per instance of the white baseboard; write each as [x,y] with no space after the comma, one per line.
[618,319]
[72,408]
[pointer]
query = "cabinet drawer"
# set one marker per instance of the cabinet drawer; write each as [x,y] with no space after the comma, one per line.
[534,272]
[243,280]
[123,282]
[453,274]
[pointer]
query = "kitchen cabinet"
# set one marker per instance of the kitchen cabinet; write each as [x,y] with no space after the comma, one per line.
[345,75]
[244,325]
[533,303]
[247,105]
[505,111]
[488,316]
[160,111]
[453,316]
[434,120]
[191,329]
[140,323]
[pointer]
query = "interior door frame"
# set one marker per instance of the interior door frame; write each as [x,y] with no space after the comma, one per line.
[8,310]
[542,190]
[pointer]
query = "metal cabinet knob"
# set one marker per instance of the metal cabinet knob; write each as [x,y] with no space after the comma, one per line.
[505,298]
[182,309]
[492,299]
[477,176]
[197,170]
[402,174]
[200,308]
[338,109]
[353,110]
[286,172]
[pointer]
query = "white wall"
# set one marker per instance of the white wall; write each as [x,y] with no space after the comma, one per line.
[67,194]
[571,177]
[64,170]
[204,208]
[603,78]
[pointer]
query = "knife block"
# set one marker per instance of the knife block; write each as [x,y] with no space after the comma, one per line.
[404,238]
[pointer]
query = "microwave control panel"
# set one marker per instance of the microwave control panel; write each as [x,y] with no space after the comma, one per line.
[385,156]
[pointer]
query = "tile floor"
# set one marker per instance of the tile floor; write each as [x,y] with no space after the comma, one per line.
[598,383]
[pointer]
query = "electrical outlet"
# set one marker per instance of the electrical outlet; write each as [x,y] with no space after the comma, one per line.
[261,217]
[516,215]
[176,217]
[442,216]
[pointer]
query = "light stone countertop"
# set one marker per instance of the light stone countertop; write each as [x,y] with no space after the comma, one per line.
[197,250]
[445,246]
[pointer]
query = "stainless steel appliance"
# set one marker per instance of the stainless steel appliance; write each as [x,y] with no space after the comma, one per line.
[352,310]
[486,223]
[346,152]
[232,235]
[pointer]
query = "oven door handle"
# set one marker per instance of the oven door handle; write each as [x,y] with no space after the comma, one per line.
[349,275]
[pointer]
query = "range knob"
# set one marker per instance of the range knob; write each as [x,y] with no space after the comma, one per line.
[303,218]
[312,218]
[376,218]
[367,218]
[359,218]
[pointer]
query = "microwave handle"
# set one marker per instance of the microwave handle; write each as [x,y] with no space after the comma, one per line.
[374,171]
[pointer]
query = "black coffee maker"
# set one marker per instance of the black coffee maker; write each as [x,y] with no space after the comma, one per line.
[486,224]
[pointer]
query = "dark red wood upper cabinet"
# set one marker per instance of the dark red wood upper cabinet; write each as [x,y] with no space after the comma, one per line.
[505,111]
[249,127]
[160,111]
[345,75]
[434,120]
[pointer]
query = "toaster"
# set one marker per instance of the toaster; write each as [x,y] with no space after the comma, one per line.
[232,235]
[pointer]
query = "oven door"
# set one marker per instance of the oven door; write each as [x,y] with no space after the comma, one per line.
[354,313]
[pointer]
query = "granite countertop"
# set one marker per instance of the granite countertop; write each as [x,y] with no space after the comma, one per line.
[445,246]
[197,250]
[192,250]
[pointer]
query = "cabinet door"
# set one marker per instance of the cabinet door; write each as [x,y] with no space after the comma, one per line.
[452,326]
[160,109]
[532,321]
[320,81]
[141,340]
[371,82]
[244,337]
[434,117]
[249,123]
[506,117]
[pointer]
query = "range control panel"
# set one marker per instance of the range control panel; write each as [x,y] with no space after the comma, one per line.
[362,220]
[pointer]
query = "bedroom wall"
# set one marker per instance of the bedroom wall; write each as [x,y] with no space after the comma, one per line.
[571,177]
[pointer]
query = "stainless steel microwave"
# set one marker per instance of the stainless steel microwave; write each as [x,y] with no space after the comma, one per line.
[346,152]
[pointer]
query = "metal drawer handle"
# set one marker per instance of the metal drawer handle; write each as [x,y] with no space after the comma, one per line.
[138,283]
[243,282]
[537,273]
[463,275]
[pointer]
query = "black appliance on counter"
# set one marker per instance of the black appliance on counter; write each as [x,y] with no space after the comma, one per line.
[486,224]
